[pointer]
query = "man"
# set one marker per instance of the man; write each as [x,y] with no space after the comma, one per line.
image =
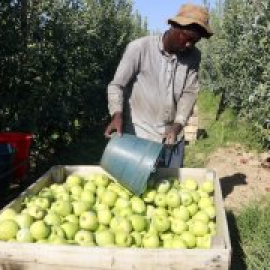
[156,83]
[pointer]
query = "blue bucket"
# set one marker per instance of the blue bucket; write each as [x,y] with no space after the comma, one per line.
[131,160]
[6,159]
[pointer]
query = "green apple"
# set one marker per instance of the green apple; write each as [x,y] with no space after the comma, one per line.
[136,238]
[36,212]
[123,239]
[173,198]
[167,243]
[165,236]
[56,232]
[84,238]
[161,211]
[161,223]
[61,207]
[150,210]
[90,185]
[211,211]
[109,198]
[46,193]
[202,193]
[149,195]
[105,238]
[150,240]
[88,196]
[193,209]
[177,242]
[89,177]
[195,196]
[58,241]
[122,203]
[88,221]
[163,186]
[123,193]
[8,213]
[205,202]
[202,216]
[24,220]
[74,180]
[160,200]
[181,213]
[190,184]
[189,239]
[203,242]
[72,218]
[125,212]
[113,186]
[199,228]
[100,190]
[75,192]
[102,227]
[8,229]
[80,207]
[43,241]
[119,223]
[167,240]
[43,203]
[101,180]
[151,228]
[63,196]
[104,216]
[52,218]
[212,227]
[24,236]
[208,186]
[39,230]
[137,205]
[178,226]
[138,223]
[186,198]
[70,229]
[58,188]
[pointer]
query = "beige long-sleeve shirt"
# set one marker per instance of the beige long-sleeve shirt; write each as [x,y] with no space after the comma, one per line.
[154,89]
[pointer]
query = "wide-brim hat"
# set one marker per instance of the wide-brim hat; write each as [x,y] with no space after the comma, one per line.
[193,14]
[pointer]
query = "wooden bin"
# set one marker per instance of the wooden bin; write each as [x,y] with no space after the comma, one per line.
[33,256]
[192,126]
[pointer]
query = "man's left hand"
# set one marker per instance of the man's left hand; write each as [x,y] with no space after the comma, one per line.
[170,136]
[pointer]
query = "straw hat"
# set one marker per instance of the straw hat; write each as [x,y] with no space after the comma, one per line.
[192,14]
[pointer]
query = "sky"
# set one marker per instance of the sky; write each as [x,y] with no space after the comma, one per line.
[157,12]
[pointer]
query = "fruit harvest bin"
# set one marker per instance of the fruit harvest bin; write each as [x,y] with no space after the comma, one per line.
[35,256]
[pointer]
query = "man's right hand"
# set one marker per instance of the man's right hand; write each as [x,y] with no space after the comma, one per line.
[115,125]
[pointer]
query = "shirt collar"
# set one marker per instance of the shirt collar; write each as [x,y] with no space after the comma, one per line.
[162,50]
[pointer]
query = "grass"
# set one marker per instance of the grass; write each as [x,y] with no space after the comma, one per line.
[254,234]
[217,133]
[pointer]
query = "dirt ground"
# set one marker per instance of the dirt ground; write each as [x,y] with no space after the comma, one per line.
[242,174]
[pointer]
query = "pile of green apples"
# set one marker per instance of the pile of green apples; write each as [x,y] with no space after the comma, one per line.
[93,210]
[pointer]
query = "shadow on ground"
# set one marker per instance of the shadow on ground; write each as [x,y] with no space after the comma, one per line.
[229,182]
[237,259]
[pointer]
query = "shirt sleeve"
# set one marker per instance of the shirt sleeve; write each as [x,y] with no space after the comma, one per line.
[125,73]
[189,94]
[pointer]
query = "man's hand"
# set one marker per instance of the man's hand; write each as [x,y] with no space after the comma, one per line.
[170,136]
[115,125]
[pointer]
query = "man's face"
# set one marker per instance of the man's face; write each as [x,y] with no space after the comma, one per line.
[182,39]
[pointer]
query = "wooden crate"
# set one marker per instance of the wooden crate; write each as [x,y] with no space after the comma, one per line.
[192,126]
[33,256]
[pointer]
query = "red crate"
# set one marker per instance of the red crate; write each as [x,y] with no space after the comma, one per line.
[21,143]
